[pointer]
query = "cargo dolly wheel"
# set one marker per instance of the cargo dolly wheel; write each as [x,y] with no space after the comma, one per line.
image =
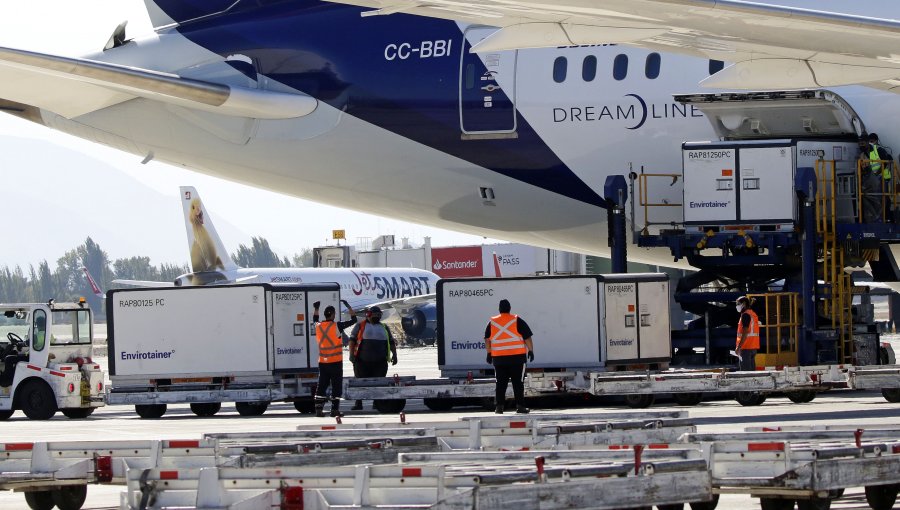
[802,397]
[687,399]
[206,409]
[69,497]
[776,504]
[39,500]
[891,394]
[750,398]
[706,505]
[639,400]
[150,411]
[882,497]
[251,408]
[5,415]
[439,404]
[389,406]
[305,406]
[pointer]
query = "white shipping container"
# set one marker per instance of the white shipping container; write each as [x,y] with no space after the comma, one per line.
[562,313]
[636,323]
[577,321]
[213,331]
[709,183]
[767,183]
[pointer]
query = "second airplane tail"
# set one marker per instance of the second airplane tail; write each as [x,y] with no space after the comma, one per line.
[206,248]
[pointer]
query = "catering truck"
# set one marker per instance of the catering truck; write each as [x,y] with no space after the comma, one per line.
[46,360]
[249,344]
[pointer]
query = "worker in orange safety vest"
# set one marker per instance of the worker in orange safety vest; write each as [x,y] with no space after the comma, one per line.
[331,358]
[508,341]
[747,342]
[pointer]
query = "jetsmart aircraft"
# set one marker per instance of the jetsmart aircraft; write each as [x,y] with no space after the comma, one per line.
[497,118]
[211,264]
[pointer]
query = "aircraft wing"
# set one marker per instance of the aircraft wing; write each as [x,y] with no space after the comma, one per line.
[72,87]
[769,47]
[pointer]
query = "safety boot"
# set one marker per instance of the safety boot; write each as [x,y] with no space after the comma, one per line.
[336,408]
[521,410]
[357,406]
[320,407]
[499,409]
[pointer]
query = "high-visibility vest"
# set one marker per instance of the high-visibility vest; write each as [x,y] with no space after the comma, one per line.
[360,334]
[876,164]
[505,339]
[331,348]
[753,333]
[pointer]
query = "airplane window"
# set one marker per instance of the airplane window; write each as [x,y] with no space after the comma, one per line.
[620,67]
[560,68]
[470,76]
[652,67]
[715,66]
[589,68]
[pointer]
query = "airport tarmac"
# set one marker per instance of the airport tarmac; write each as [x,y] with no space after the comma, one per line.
[851,409]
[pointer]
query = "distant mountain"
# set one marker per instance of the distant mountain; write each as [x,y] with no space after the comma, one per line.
[53,197]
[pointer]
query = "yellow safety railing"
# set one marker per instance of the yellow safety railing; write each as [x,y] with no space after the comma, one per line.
[838,300]
[644,198]
[881,197]
[779,328]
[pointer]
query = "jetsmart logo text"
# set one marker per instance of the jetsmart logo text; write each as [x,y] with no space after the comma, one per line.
[138,355]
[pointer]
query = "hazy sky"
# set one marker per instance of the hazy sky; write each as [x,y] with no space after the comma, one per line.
[36,164]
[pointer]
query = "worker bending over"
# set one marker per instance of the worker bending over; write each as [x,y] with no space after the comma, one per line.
[508,342]
[329,335]
[371,348]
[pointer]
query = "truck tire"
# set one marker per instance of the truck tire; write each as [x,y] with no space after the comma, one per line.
[801,397]
[687,399]
[206,409]
[389,406]
[69,497]
[37,400]
[251,408]
[5,415]
[150,411]
[77,413]
[814,504]
[891,394]
[39,500]
[639,400]
[305,406]
[439,404]
[673,506]
[881,497]
[749,398]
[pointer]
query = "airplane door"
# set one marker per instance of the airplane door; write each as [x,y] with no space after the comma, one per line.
[487,93]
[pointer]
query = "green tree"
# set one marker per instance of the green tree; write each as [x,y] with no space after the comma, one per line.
[304,258]
[259,254]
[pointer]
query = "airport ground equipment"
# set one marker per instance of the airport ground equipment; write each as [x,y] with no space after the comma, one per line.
[250,344]
[780,207]
[46,360]
[600,322]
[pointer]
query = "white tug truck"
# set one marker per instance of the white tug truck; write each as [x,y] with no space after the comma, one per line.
[45,360]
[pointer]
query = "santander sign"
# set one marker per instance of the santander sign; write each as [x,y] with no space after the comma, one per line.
[457,262]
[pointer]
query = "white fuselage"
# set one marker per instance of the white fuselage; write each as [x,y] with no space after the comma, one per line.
[597,127]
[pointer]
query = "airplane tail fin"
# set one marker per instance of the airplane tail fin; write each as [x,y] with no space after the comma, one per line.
[94,287]
[206,248]
[169,12]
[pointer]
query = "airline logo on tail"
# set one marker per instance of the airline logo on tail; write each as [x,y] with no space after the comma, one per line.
[94,287]
[206,248]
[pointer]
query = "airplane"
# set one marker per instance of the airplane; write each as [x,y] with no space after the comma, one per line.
[211,265]
[94,287]
[496,118]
